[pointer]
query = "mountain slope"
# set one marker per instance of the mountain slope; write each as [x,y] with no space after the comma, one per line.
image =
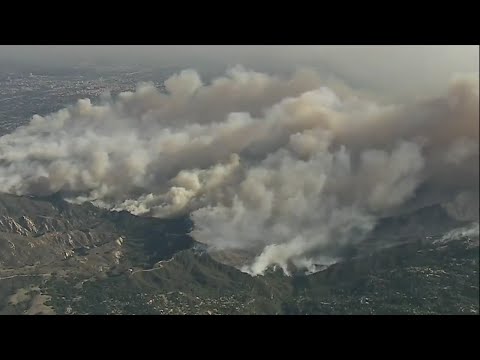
[57,257]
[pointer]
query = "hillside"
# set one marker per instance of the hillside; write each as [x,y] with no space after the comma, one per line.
[61,258]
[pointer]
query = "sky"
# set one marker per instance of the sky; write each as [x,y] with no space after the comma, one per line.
[400,69]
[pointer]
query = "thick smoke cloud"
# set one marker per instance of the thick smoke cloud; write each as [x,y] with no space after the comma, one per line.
[285,168]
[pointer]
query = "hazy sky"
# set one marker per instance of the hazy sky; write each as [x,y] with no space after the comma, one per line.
[397,68]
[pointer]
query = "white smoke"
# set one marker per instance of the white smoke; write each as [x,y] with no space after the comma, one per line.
[470,231]
[286,168]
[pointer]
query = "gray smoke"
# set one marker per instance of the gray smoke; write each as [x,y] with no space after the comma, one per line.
[464,207]
[283,167]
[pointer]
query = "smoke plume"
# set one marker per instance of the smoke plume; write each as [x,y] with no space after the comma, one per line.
[286,168]
[470,231]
